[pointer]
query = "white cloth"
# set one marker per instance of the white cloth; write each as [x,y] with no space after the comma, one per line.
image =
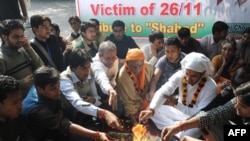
[197,62]
[104,76]
[166,115]
[70,93]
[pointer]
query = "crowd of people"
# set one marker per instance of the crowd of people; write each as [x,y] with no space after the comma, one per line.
[67,88]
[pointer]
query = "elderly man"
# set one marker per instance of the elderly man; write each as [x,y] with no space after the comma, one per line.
[133,82]
[196,90]
[105,69]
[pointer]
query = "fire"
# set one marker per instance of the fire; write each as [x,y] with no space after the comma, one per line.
[142,134]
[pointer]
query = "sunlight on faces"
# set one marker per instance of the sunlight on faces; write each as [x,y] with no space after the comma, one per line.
[118,32]
[51,91]
[172,52]
[82,72]
[12,106]
[193,76]
[242,109]
[136,66]
[15,38]
[108,58]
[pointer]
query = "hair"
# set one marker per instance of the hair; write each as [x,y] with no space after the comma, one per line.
[172,41]
[247,30]
[56,27]
[243,91]
[230,41]
[241,76]
[96,21]
[44,76]
[106,46]
[37,20]
[8,85]
[87,24]
[7,26]
[118,23]
[76,18]
[79,57]
[155,35]
[184,32]
[219,26]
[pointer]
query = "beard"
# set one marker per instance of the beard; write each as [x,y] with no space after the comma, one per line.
[15,45]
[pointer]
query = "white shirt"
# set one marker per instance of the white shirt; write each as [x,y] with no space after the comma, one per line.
[206,95]
[70,93]
[209,46]
[104,76]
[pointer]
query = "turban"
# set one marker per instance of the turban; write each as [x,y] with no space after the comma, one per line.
[197,62]
[135,54]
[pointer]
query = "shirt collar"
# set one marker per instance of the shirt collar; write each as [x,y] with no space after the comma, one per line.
[8,51]
[75,79]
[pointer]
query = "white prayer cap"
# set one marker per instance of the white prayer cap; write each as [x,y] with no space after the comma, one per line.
[197,62]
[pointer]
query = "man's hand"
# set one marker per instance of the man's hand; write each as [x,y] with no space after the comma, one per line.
[112,120]
[26,43]
[169,131]
[89,99]
[28,80]
[145,115]
[153,50]
[68,48]
[113,99]
[25,18]
[171,101]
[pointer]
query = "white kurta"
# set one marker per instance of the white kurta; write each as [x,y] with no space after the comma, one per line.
[168,115]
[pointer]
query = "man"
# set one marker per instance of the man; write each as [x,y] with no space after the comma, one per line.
[43,111]
[45,44]
[12,125]
[105,69]
[243,47]
[10,10]
[154,50]
[133,82]
[100,36]
[87,39]
[78,86]
[211,44]
[10,93]
[75,24]
[188,44]
[65,44]
[238,106]
[17,58]
[121,40]
[167,65]
[196,90]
